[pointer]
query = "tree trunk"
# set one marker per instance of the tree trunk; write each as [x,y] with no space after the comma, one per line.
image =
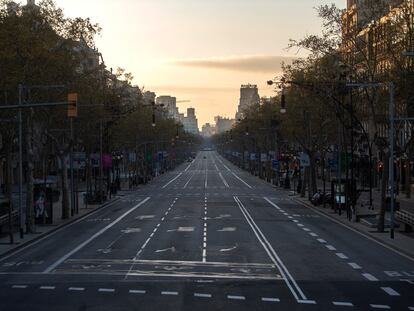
[384,184]
[313,188]
[304,182]
[65,188]
[30,217]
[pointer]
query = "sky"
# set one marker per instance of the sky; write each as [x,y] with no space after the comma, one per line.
[200,50]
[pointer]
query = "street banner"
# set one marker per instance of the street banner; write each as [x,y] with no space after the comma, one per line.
[252,157]
[132,157]
[275,165]
[263,157]
[107,161]
[304,160]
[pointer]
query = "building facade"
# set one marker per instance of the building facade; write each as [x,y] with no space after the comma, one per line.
[249,96]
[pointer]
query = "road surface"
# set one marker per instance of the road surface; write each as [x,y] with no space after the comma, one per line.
[206,236]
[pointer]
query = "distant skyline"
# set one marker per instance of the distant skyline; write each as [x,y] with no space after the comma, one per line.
[200,50]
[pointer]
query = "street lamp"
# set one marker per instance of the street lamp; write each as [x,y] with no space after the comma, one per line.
[281,84]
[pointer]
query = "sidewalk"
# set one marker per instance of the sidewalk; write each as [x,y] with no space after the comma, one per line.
[44,230]
[403,242]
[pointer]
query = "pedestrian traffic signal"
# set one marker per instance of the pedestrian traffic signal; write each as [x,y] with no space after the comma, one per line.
[72,105]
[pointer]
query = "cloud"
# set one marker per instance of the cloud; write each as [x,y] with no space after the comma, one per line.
[259,63]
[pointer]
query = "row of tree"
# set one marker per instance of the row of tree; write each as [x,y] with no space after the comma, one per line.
[324,114]
[45,55]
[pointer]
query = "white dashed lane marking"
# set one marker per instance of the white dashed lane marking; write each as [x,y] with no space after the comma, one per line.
[136,291]
[390,291]
[270,299]
[19,286]
[106,290]
[47,287]
[355,266]
[383,307]
[307,302]
[76,289]
[342,304]
[370,277]
[199,295]
[167,293]
[330,247]
[341,255]
[322,241]
[236,297]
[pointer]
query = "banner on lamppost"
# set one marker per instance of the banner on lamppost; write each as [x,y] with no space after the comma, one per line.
[263,157]
[304,160]
[252,157]
[107,161]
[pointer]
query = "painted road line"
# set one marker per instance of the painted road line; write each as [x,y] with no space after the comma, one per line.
[342,304]
[354,265]
[136,291]
[410,308]
[96,235]
[223,180]
[250,187]
[330,247]
[306,229]
[199,295]
[390,291]
[313,234]
[188,167]
[287,277]
[383,307]
[76,289]
[270,299]
[322,241]
[232,297]
[47,287]
[307,302]
[171,181]
[167,293]
[370,277]
[106,290]
[342,256]
[19,286]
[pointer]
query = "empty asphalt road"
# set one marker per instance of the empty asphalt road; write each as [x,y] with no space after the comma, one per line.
[206,236]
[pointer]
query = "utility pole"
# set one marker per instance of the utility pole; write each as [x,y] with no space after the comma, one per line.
[22,215]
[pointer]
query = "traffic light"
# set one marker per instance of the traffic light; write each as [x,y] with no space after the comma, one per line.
[283,102]
[72,105]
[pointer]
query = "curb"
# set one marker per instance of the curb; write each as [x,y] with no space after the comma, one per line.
[398,250]
[59,227]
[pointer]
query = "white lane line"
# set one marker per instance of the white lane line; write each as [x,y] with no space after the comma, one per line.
[306,229]
[236,297]
[171,181]
[342,304]
[136,291]
[410,308]
[47,287]
[188,167]
[76,289]
[300,225]
[313,234]
[390,291]
[322,241]
[167,293]
[223,180]
[99,233]
[342,256]
[19,286]
[287,277]
[250,187]
[270,299]
[307,302]
[370,277]
[383,307]
[106,290]
[330,247]
[202,295]
[354,265]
